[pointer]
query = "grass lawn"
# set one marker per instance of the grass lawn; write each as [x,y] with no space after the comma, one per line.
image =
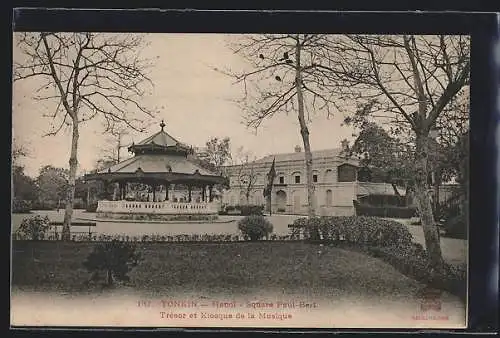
[237,268]
[229,225]
[454,250]
[351,288]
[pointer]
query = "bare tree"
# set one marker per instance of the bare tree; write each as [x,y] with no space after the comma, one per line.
[283,79]
[86,75]
[246,172]
[218,152]
[111,151]
[248,177]
[405,83]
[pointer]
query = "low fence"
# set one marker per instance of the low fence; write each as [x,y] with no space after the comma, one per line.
[156,238]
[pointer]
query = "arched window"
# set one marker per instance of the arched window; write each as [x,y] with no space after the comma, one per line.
[315,176]
[280,179]
[296,177]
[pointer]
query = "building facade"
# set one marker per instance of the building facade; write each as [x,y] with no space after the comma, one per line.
[335,180]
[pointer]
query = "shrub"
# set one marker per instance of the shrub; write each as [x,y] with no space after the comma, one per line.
[362,230]
[33,228]
[252,210]
[232,210]
[255,227]
[44,205]
[91,207]
[384,211]
[380,200]
[243,210]
[115,259]
[21,206]
[281,210]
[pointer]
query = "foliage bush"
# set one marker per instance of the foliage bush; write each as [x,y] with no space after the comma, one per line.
[244,210]
[21,206]
[379,200]
[255,227]
[79,204]
[247,210]
[115,259]
[33,228]
[44,205]
[384,211]
[362,230]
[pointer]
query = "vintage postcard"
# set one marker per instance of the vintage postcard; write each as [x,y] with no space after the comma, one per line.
[240,180]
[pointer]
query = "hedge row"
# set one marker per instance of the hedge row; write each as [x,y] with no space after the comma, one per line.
[413,261]
[381,200]
[354,229]
[21,206]
[155,238]
[385,211]
[243,210]
[24,206]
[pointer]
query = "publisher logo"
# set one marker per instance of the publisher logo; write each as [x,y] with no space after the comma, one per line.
[430,299]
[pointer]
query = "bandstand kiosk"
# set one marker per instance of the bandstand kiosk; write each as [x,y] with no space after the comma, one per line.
[160,162]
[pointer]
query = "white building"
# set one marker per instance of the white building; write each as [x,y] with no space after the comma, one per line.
[335,182]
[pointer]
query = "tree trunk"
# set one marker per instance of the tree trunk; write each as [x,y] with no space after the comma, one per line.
[422,199]
[247,195]
[73,164]
[437,184]
[304,131]
[109,278]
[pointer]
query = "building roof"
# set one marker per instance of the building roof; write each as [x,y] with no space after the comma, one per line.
[155,164]
[299,156]
[161,157]
[161,142]
[161,138]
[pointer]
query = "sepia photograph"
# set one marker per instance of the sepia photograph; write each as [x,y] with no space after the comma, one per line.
[194,180]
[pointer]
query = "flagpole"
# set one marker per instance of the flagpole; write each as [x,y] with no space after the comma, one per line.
[270,201]
[270,179]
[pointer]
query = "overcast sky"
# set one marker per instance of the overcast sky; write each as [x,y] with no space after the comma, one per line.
[194,101]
